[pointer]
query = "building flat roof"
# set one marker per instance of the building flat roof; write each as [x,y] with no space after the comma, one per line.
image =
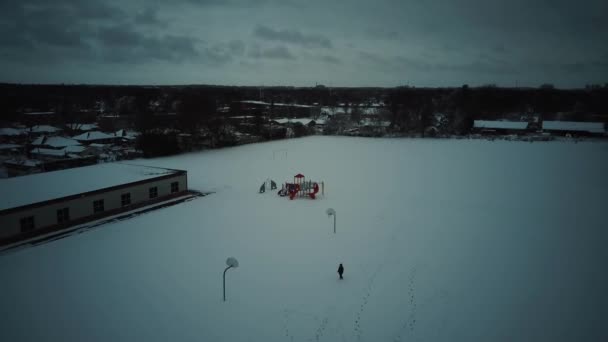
[41,187]
[522,125]
[94,135]
[277,104]
[592,127]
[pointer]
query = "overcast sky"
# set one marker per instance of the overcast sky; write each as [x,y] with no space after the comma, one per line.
[305,42]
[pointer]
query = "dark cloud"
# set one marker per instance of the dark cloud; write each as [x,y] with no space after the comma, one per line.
[330,59]
[292,37]
[237,47]
[275,52]
[149,17]
[76,10]
[483,64]
[559,41]
[121,36]
[81,30]
[383,34]
[243,3]
[124,44]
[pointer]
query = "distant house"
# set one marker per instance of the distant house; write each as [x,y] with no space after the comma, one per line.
[8,134]
[291,122]
[80,127]
[500,127]
[48,154]
[283,109]
[96,137]
[10,149]
[43,130]
[77,150]
[66,198]
[18,166]
[11,132]
[373,128]
[574,128]
[126,136]
[53,142]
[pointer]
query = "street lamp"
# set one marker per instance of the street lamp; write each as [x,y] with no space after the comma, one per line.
[232,263]
[331,212]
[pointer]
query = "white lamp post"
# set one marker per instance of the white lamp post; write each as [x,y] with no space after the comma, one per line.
[331,212]
[232,263]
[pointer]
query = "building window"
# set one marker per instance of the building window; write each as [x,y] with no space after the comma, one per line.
[125,199]
[27,224]
[174,187]
[153,192]
[63,215]
[98,206]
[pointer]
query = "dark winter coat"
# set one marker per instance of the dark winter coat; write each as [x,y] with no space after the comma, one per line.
[341,269]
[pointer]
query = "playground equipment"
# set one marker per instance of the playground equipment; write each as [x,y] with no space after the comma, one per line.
[273,185]
[301,188]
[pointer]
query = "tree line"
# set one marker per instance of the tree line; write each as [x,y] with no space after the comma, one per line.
[191,109]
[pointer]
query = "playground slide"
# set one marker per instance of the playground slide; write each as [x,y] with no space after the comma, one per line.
[315,190]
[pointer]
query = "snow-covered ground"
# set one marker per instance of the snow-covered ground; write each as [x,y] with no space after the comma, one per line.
[442,240]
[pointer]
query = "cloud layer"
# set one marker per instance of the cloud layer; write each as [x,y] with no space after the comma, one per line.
[351,43]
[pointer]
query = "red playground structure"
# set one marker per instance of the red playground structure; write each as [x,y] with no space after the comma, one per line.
[301,188]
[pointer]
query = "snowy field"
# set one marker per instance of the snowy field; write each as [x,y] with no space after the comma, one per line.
[442,240]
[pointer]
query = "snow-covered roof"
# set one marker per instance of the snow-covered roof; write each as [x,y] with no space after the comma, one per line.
[44,129]
[57,142]
[8,131]
[293,121]
[127,135]
[369,110]
[375,123]
[92,136]
[98,145]
[8,146]
[242,117]
[74,149]
[277,104]
[293,105]
[333,110]
[41,187]
[48,152]
[83,127]
[124,133]
[592,127]
[500,124]
[255,102]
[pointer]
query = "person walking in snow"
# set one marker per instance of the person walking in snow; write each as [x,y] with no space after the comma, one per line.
[341,270]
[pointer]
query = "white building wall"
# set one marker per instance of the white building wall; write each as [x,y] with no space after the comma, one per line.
[45,216]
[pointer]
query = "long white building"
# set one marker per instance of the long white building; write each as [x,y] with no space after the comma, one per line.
[41,203]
